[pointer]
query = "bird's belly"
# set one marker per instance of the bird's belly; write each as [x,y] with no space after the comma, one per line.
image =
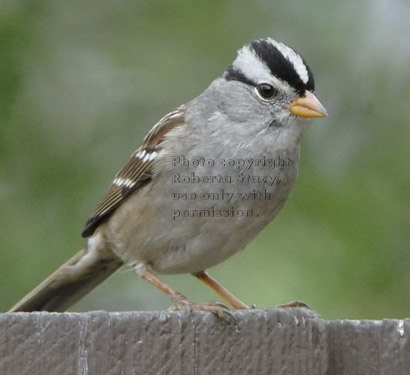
[198,228]
[207,244]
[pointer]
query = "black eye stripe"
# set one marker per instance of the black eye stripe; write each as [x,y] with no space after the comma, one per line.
[232,74]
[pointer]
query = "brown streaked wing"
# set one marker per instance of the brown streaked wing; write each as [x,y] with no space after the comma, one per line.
[163,126]
[136,173]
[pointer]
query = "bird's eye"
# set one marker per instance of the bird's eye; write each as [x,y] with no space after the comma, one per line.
[266,91]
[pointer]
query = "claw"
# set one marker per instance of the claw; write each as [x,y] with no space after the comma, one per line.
[297,304]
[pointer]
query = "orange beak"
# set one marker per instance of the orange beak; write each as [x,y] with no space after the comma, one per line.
[307,106]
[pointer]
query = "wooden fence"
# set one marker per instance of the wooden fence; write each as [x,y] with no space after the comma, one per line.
[275,341]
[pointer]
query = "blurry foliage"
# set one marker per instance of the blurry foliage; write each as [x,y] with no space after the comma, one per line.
[82,82]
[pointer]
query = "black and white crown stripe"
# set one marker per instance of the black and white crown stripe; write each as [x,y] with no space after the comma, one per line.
[294,58]
[269,61]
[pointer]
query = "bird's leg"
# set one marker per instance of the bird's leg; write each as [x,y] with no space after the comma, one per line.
[220,290]
[180,301]
[158,283]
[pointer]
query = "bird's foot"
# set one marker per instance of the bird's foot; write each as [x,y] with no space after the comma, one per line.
[182,304]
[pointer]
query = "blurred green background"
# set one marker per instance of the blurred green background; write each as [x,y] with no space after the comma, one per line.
[81,82]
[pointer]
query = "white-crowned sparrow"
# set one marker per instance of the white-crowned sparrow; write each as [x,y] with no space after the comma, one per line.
[206,179]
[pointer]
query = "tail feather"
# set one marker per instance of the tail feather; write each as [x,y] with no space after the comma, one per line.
[74,279]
